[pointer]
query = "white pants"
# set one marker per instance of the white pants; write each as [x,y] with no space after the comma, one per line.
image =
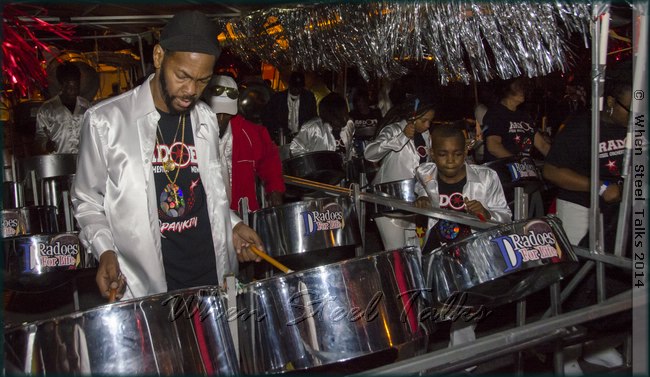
[396,233]
[575,220]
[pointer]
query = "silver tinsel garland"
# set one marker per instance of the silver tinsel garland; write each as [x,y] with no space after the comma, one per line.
[465,40]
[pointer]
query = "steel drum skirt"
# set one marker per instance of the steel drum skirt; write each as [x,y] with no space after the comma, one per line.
[403,189]
[29,220]
[295,231]
[43,261]
[501,264]
[154,335]
[334,313]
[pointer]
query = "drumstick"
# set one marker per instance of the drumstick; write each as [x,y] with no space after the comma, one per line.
[318,184]
[112,293]
[270,259]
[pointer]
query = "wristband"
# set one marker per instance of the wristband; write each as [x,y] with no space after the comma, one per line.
[603,187]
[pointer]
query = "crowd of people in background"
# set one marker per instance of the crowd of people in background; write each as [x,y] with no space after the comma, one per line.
[384,131]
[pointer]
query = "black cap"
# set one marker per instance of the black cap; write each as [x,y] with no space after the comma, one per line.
[190,31]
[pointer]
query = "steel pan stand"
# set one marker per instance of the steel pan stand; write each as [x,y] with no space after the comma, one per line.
[521,212]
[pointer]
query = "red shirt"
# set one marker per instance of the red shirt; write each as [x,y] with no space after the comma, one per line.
[253,154]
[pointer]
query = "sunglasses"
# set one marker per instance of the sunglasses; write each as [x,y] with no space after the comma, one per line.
[232,93]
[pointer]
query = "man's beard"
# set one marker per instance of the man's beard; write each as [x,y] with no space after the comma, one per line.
[168,98]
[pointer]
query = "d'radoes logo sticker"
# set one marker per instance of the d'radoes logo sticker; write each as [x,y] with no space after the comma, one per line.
[329,218]
[521,170]
[536,242]
[61,251]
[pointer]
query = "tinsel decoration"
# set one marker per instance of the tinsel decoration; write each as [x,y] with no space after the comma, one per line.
[21,64]
[465,40]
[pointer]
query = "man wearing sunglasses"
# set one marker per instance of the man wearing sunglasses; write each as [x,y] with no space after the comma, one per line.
[246,149]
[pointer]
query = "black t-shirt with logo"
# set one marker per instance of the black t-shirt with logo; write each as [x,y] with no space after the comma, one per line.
[572,149]
[370,119]
[446,232]
[187,247]
[516,129]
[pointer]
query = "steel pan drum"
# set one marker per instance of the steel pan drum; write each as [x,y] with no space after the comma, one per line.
[334,313]
[43,261]
[321,166]
[517,172]
[309,231]
[501,264]
[403,189]
[29,220]
[49,165]
[154,335]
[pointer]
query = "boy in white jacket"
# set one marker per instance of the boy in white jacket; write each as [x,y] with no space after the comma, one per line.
[449,182]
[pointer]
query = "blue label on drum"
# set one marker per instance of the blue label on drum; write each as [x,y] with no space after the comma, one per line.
[329,218]
[521,170]
[535,242]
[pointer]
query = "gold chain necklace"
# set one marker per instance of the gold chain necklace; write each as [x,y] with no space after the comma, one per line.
[169,164]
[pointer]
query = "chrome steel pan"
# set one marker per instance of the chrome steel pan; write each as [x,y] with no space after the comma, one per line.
[501,264]
[48,165]
[43,261]
[29,220]
[517,172]
[402,189]
[334,313]
[311,225]
[152,335]
[321,166]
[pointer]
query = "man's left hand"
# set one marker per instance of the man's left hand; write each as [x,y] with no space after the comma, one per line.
[243,237]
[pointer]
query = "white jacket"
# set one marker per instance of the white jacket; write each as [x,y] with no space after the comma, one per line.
[316,135]
[483,184]
[55,121]
[114,194]
[397,154]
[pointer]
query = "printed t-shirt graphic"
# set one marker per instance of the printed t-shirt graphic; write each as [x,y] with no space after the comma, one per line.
[188,251]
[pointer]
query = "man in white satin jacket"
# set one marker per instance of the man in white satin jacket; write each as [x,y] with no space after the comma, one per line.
[332,131]
[136,226]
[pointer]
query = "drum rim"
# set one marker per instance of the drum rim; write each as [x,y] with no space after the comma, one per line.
[346,198]
[475,235]
[252,286]
[10,328]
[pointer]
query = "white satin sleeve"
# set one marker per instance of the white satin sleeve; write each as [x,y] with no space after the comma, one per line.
[89,188]
[390,139]
[496,200]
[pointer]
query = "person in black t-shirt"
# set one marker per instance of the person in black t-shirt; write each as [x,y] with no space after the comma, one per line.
[511,131]
[568,165]
[148,192]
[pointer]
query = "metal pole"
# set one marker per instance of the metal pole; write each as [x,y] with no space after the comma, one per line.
[579,276]
[521,204]
[144,69]
[507,341]
[600,17]
[558,356]
[360,207]
[521,212]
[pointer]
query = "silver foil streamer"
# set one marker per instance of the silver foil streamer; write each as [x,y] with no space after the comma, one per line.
[465,40]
